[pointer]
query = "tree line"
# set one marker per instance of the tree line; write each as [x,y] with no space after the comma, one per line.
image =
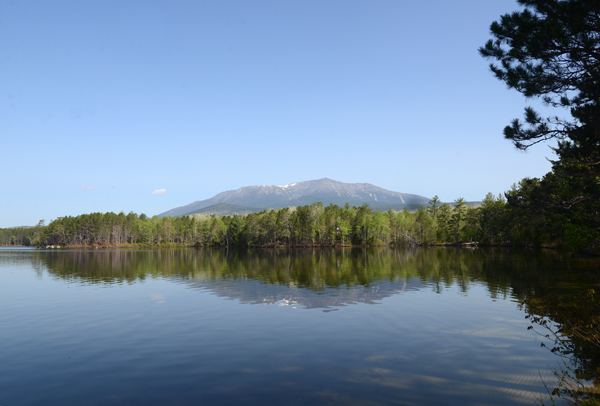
[498,220]
[16,236]
[309,225]
[507,219]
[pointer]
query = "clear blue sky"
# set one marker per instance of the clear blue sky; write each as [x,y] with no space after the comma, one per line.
[104,102]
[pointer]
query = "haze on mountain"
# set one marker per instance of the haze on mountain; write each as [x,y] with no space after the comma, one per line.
[250,199]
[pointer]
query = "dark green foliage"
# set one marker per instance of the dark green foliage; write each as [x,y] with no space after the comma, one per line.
[551,50]
[539,215]
[492,219]
[17,236]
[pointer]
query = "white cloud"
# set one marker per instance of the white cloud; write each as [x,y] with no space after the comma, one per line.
[159,192]
[86,187]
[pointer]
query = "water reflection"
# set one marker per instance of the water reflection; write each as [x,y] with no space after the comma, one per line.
[330,278]
[155,336]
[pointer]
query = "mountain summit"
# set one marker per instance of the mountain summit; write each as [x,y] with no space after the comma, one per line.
[300,194]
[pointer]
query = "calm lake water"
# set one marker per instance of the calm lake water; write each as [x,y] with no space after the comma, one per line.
[432,326]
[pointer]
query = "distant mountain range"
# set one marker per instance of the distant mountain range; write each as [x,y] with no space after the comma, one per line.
[252,199]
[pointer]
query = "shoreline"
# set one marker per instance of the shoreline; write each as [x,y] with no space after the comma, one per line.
[470,245]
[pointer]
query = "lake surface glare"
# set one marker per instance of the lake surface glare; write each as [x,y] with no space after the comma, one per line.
[432,326]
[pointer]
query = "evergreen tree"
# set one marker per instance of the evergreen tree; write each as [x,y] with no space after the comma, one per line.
[443,220]
[457,221]
[434,205]
[551,50]
[492,219]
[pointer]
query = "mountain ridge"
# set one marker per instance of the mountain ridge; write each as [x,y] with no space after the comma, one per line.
[304,193]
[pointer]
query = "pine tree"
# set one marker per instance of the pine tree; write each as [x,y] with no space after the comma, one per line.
[551,50]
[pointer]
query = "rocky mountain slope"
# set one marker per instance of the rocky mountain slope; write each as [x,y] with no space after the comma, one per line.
[303,193]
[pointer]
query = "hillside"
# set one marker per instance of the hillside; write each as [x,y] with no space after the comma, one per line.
[225,209]
[304,193]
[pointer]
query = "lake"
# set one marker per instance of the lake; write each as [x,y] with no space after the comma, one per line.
[426,326]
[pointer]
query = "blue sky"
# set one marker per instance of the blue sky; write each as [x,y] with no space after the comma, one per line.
[104,102]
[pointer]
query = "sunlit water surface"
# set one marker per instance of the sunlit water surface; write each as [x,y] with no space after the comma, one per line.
[341,327]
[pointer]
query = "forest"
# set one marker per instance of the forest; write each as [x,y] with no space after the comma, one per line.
[16,236]
[498,220]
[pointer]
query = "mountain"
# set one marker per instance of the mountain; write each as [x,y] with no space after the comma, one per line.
[225,209]
[304,193]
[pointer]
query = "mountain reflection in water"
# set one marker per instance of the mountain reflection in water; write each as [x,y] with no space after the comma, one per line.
[329,278]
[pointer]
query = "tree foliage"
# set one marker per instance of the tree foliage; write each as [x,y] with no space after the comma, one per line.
[551,50]
[17,236]
[299,226]
[514,218]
